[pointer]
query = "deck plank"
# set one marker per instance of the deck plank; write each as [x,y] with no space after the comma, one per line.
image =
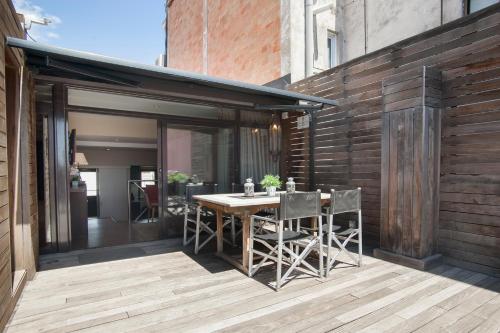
[170,289]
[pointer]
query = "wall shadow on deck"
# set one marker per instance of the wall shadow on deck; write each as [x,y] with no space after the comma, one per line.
[108,254]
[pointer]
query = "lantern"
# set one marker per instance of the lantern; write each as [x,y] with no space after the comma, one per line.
[275,137]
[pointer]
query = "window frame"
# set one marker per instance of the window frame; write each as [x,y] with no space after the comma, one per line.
[468,7]
[96,171]
[333,60]
[146,182]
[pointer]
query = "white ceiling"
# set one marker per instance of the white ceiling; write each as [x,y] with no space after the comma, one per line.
[95,130]
[89,124]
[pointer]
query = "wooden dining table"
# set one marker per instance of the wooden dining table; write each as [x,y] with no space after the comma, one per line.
[244,207]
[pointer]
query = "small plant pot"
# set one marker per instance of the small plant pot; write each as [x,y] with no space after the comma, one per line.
[271,191]
[75,183]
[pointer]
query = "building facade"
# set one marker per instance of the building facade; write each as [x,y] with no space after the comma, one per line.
[264,42]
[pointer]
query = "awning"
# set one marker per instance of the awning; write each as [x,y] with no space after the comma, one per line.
[50,61]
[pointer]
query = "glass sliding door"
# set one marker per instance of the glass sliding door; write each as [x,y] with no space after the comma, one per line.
[193,155]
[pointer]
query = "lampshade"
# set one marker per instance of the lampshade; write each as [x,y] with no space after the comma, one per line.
[80,159]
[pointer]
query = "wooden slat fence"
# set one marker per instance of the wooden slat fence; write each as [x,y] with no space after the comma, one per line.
[347,149]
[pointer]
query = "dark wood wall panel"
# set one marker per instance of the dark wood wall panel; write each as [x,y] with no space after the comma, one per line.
[5,255]
[347,149]
[28,250]
[470,169]
[411,125]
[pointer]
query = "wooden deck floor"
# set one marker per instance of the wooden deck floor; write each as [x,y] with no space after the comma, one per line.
[167,290]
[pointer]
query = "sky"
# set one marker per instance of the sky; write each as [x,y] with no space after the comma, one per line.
[126,29]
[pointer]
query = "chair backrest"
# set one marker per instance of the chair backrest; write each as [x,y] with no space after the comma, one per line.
[300,205]
[195,189]
[345,201]
[151,192]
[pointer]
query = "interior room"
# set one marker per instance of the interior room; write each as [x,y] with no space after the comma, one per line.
[116,177]
[116,146]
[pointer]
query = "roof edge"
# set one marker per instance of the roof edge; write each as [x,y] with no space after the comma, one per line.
[175,73]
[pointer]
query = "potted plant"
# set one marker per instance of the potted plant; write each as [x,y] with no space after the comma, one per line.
[271,183]
[178,180]
[177,177]
[75,181]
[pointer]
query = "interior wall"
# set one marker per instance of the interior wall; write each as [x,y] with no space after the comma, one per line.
[113,170]
[113,192]
[179,150]
[118,157]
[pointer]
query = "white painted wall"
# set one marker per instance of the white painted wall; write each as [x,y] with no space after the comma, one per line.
[385,22]
[325,20]
[361,29]
[297,41]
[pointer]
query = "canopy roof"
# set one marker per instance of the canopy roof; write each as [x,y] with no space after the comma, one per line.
[50,61]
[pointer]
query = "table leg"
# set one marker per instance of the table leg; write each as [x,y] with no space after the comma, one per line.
[220,232]
[245,234]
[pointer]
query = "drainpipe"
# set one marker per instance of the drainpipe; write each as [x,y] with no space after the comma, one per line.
[166,32]
[309,47]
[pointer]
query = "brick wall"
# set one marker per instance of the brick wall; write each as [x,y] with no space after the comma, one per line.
[243,38]
[185,35]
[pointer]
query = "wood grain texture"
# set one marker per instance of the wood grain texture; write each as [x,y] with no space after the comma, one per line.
[26,240]
[349,137]
[412,158]
[170,290]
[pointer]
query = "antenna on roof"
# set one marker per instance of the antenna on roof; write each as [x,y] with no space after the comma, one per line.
[40,21]
[28,23]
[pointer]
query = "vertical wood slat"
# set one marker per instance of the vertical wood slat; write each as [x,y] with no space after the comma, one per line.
[23,252]
[385,172]
[417,191]
[408,185]
[412,181]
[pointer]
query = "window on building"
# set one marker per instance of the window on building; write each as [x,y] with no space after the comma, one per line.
[332,49]
[90,179]
[475,5]
[147,178]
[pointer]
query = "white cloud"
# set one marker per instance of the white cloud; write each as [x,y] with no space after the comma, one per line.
[53,35]
[31,12]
